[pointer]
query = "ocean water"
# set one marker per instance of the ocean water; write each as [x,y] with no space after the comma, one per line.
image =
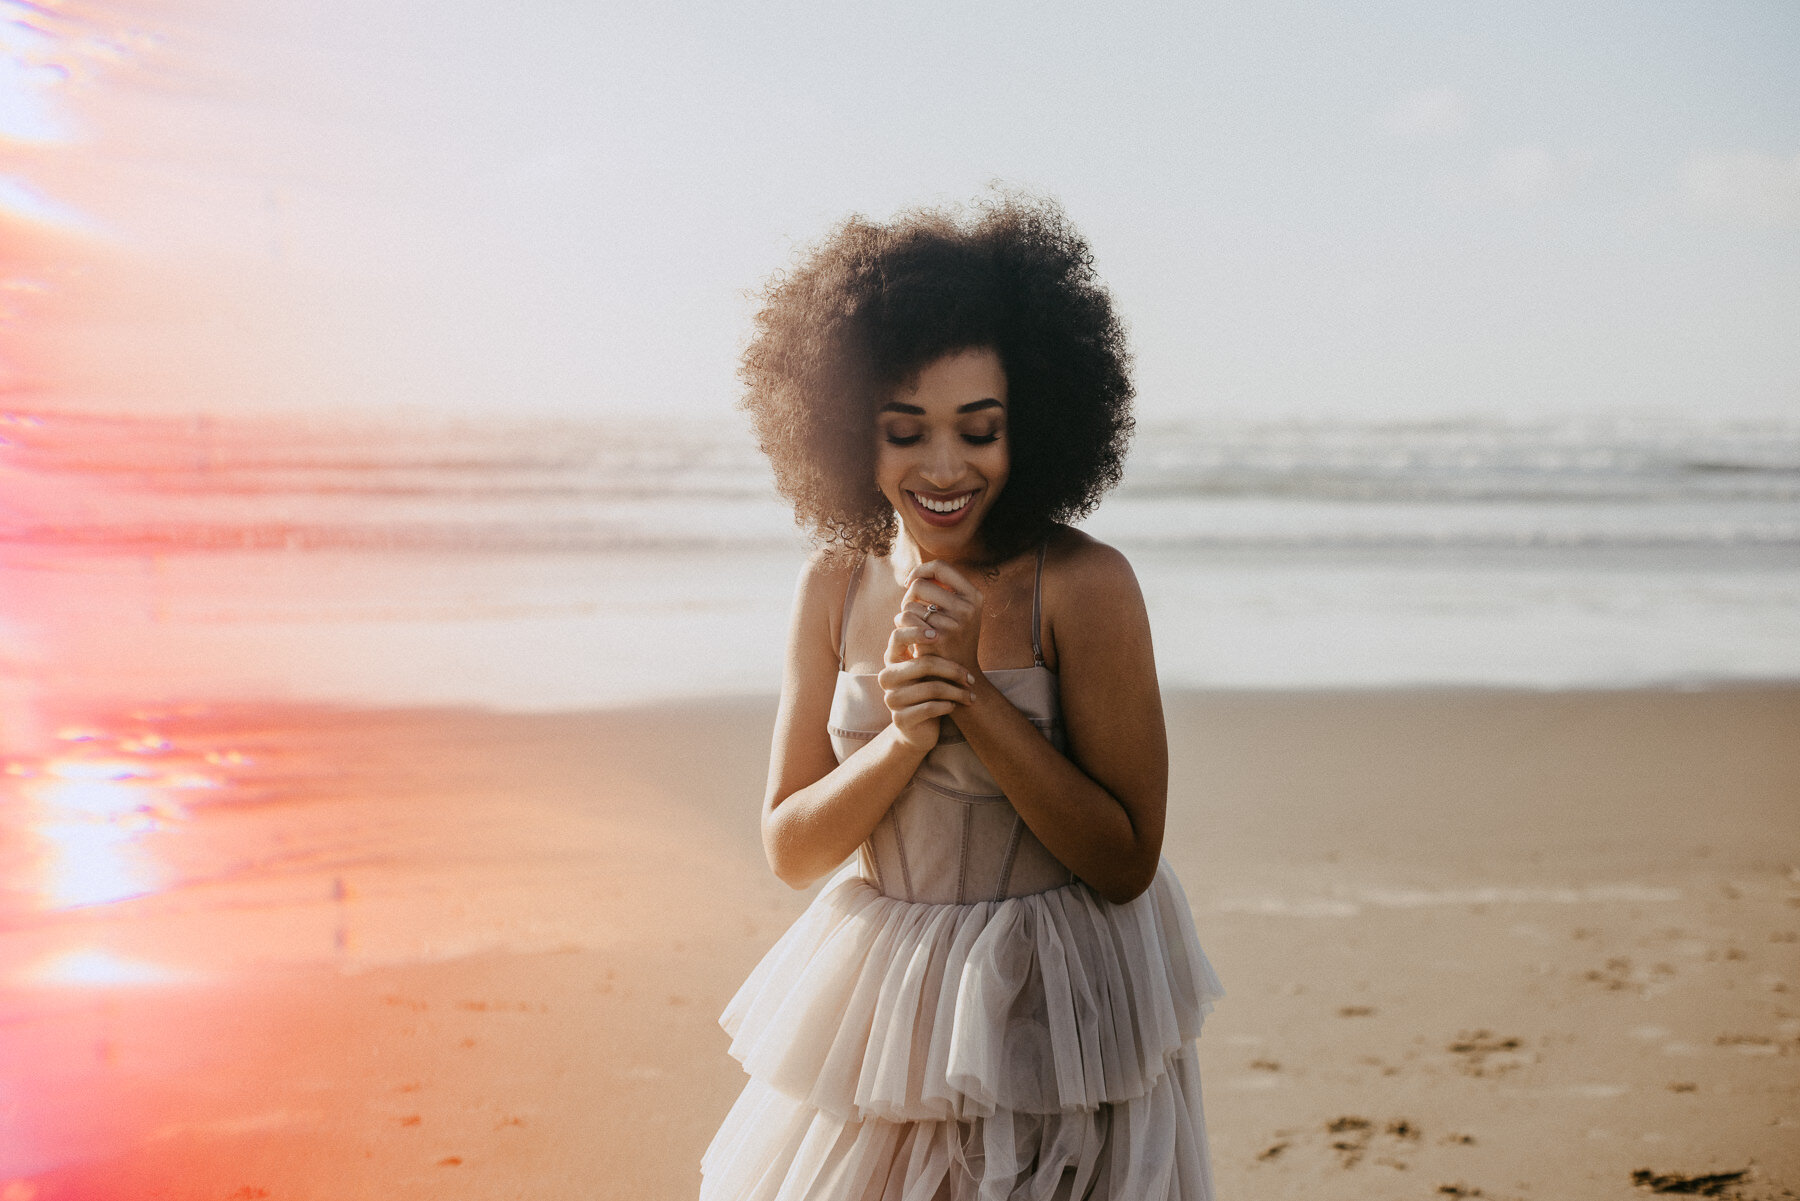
[553,565]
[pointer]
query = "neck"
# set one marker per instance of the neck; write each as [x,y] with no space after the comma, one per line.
[908,554]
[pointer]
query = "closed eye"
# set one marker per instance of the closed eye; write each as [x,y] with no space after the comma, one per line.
[908,440]
[981,439]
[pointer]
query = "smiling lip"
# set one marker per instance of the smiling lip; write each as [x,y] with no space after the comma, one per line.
[964,502]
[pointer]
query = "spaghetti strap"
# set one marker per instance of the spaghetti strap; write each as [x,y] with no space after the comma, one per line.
[844,617]
[1037,607]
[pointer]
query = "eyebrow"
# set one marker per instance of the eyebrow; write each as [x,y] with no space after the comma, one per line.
[894,406]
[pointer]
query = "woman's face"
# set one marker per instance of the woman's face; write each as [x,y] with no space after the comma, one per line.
[941,454]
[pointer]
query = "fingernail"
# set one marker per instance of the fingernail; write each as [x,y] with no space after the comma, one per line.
[930,633]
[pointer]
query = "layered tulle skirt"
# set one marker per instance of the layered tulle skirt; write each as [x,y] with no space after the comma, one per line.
[1027,1049]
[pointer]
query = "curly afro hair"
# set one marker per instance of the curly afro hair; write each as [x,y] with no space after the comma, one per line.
[873,304]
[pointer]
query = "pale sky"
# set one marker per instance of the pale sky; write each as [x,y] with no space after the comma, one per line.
[1303,207]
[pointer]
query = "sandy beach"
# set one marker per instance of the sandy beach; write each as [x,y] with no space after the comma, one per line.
[1510,945]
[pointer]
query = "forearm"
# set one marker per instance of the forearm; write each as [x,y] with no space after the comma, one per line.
[813,829]
[1077,819]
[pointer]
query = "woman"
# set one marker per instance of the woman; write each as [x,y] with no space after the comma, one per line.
[997,997]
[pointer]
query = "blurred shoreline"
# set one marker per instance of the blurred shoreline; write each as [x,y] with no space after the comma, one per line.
[557,565]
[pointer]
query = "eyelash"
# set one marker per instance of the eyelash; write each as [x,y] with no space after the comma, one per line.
[971,439]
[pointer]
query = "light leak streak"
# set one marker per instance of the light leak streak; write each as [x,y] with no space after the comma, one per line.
[94,968]
[38,53]
[90,815]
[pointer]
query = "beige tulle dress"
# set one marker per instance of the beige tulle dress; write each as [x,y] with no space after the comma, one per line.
[957,1018]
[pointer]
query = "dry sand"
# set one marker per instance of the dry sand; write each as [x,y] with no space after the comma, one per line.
[1506,945]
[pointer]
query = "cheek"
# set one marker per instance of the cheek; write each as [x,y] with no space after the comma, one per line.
[995,463]
[890,466]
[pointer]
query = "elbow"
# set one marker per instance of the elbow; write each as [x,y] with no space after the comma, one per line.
[1123,893]
[782,864]
[1129,884]
[790,874]
[791,868]
[795,882]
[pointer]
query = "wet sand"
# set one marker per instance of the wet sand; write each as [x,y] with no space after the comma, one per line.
[1498,944]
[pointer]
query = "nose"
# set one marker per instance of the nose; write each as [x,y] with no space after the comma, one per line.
[943,466]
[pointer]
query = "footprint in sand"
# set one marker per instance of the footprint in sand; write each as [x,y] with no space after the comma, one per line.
[1749,1044]
[1616,976]
[1354,1140]
[1484,1053]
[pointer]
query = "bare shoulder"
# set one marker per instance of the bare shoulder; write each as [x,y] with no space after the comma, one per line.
[824,573]
[1085,576]
[1092,602]
[819,595]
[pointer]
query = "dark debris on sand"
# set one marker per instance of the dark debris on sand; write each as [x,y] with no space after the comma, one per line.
[1713,1185]
[1482,1052]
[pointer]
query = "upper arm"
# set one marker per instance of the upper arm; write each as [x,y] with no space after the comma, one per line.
[801,753]
[1112,707]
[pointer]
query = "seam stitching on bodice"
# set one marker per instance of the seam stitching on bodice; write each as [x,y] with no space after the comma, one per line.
[859,735]
[900,852]
[962,860]
[874,861]
[965,797]
[1074,881]
[1012,849]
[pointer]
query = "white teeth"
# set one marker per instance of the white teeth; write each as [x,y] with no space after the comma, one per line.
[943,506]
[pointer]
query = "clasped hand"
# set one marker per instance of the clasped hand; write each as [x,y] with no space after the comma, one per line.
[931,657]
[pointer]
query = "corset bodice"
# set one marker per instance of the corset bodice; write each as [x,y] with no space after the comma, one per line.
[952,836]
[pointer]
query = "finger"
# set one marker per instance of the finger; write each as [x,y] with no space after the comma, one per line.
[915,714]
[947,576]
[899,649]
[925,667]
[930,592]
[914,641]
[927,625]
[938,617]
[915,618]
[938,667]
[921,640]
[921,691]
[905,675]
[926,712]
[927,639]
